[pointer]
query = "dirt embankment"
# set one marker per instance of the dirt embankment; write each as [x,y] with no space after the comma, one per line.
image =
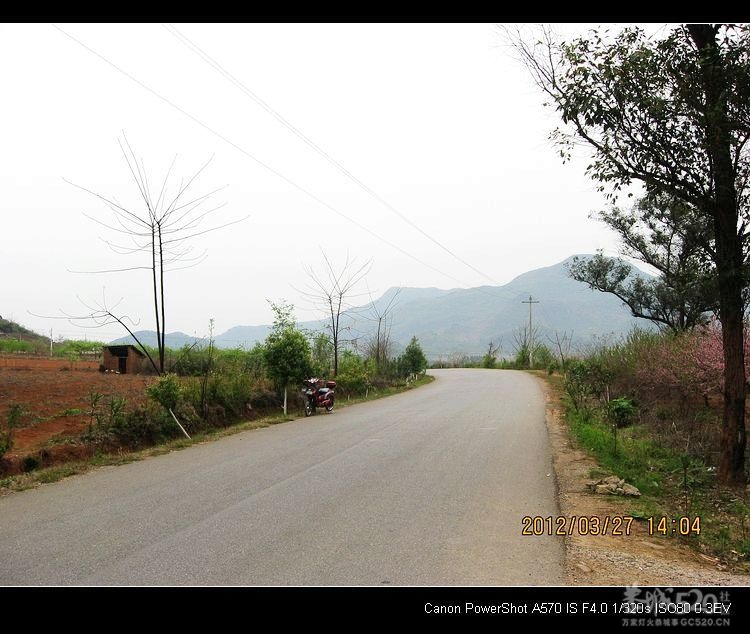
[629,559]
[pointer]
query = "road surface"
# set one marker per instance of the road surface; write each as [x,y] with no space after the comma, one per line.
[427,487]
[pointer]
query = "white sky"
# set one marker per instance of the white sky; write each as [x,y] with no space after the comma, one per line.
[439,120]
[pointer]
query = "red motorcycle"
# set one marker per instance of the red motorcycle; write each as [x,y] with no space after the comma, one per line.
[318,393]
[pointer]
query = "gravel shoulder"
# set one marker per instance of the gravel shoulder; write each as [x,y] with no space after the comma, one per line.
[634,559]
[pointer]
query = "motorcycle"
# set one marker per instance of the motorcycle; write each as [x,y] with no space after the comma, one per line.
[318,394]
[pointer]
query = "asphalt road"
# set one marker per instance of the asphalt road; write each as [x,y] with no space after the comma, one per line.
[423,488]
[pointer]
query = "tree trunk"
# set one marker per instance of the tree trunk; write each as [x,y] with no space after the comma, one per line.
[728,254]
[285,401]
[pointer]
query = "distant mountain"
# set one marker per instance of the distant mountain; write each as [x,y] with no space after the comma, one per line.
[242,336]
[173,340]
[464,321]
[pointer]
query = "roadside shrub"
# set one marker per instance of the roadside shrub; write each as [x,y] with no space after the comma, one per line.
[352,378]
[543,357]
[165,391]
[622,411]
[144,424]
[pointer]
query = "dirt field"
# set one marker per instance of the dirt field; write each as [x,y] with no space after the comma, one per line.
[55,394]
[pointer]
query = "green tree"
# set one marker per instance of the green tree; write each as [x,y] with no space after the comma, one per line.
[413,360]
[286,351]
[675,239]
[322,354]
[489,360]
[672,113]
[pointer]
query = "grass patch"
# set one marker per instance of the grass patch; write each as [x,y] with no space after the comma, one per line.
[58,472]
[672,484]
[633,456]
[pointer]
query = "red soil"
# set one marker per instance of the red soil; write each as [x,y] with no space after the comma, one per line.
[55,396]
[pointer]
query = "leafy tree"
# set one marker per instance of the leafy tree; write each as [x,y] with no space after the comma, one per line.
[287,351]
[675,239]
[673,114]
[353,376]
[542,356]
[322,354]
[413,360]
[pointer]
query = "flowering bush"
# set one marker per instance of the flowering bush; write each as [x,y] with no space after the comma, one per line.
[691,363]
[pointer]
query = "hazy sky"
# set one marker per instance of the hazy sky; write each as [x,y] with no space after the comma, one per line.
[438,120]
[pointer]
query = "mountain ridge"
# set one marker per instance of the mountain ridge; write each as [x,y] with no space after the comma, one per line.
[465,320]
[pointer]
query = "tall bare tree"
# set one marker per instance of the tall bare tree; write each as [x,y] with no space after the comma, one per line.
[562,342]
[379,345]
[160,230]
[331,291]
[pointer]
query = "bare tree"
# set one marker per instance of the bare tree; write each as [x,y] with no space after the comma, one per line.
[160,230]
[331,292]
[562,343]
[379,347]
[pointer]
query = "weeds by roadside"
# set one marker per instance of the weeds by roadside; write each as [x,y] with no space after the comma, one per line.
[674,479]
[53,473]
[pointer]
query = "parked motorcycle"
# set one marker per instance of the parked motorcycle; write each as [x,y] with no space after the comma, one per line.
[318,393]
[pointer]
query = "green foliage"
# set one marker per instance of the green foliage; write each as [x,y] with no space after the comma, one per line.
[165,390]
[670,112]
[118,426]
[14,346]
[622,411]
[283,316]
[353,377]
[521,359]
[637,458]
[286,351]
[144,424]
[14,338]
[543,356]
[74,348]
[190,360]
[679,299]
[413,361]
[322,355]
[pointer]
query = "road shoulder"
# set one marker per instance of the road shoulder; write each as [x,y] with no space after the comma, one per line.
[634,559]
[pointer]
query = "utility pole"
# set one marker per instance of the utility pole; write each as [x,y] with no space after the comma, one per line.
[50,342]
[531,332]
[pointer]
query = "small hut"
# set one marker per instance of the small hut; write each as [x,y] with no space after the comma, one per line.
[123,359]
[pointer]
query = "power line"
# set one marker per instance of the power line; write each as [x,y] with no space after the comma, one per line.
[279,117]
[257,160]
